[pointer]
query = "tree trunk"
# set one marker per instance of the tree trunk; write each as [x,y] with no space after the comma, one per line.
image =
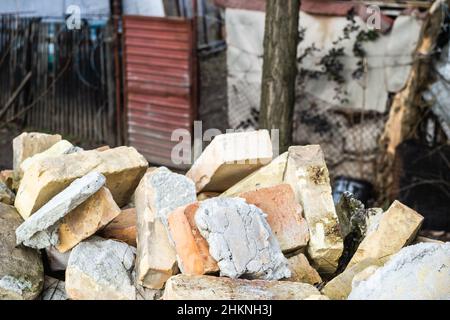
[279,68]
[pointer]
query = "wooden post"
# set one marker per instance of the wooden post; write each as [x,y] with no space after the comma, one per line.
[407,108]
[279,68]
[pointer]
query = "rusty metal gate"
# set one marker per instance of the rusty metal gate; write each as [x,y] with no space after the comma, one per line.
[160,83]
[58,80]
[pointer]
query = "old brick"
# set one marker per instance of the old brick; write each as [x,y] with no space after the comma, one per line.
[270,175]
[284,215]
[397,228]
[240,239]
[123,167]
[340,286]
[86,219]
[229,158]
[122,227]
[192,249]
[307,173]
[158,194]
[30,143]
[184,287]
[41,230]
[301,270]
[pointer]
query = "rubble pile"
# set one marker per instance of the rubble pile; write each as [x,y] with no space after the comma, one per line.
[100,224]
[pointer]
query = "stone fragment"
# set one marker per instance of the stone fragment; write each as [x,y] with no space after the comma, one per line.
[57,260]
[41,229]
[397,228]
[123,167]
[340,286]
[420,239]
[418,272]
[30,143]
[158,194]
[122,227]
[59,148]
[229,158]
[82,222]
[301,270]
[6,195]
[21,268]
[101,269]
[307,173]
[184,287]
[270,175]
[192,249]
[103,148]
[351,214]
[207,195]
[284,215]
[240,239]
[7,177]
[54,289]
[143,293]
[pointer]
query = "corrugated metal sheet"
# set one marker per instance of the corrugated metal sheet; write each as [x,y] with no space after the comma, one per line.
[160,83]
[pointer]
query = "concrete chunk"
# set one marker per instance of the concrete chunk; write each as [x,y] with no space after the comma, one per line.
[307,173]
[30,143]
[183,287]
[301,270]
[229,158]
[41,229]
[192,249]
[270,175]
[86,219]
[122,227]
[418,272]
[240,239]
[284,215]
[101,269]
[123,167]
[6,195]
[398,226]
[158,194]
[21,268]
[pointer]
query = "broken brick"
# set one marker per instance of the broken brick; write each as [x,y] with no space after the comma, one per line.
[86,219]
[192,249]
[122,227]
[307,173]
[284,215]
[229,158]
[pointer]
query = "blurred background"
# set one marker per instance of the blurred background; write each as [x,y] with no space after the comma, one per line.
[130,72]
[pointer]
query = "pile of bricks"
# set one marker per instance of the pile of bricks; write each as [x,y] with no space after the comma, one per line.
[240,224]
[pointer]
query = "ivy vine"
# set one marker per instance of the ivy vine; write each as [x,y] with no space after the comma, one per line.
[331,63]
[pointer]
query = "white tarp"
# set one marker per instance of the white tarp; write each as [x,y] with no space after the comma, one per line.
[439,92]
[245,34]
[388,58]
[54,8]
[154,8]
